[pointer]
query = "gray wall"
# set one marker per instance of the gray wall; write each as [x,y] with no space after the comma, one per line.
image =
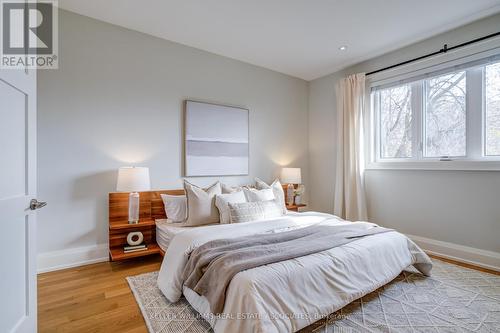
[116,100]
[460,207]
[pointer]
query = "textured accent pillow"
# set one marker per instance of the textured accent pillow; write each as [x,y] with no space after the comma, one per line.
[201,204]
[254,195]
[222,201]
[254,211]
[175,207]
[277,188]
[230,189]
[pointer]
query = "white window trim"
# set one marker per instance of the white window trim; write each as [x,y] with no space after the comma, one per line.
[448,60]
[454,165]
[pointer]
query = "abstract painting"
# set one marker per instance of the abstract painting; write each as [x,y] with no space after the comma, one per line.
[216,140]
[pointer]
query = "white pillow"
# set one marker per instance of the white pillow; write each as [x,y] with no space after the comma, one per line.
[254,195]
[254,211]
[222,201]
[230,189]
[277,188]
[175,207]
[201,204]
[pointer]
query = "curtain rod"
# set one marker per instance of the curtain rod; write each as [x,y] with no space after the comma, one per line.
[443,50]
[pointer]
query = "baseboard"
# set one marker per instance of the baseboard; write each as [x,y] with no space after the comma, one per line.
[56,260]
[465,254]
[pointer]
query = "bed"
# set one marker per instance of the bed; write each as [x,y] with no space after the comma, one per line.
[289,295]
[166,231]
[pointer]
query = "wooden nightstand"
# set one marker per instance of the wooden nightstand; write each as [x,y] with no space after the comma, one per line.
[150,208]
[118,231]
[295,207]
[119,227]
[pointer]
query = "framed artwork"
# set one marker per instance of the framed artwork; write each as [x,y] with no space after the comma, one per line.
[216,140]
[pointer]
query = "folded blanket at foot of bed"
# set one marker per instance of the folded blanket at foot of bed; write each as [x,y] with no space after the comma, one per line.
[211,266]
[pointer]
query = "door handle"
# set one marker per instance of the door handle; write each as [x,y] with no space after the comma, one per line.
[35,204]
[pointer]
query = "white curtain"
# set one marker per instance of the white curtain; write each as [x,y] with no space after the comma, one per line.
[350,202]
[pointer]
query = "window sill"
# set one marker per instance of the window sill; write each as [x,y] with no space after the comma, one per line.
[456,165]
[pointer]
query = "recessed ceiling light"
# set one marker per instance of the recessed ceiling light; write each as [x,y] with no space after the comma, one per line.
[343,48]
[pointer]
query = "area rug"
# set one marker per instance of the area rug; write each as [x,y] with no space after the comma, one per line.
[454,299]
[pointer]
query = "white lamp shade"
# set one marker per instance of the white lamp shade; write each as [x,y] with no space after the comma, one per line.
[291,176]
[133,179]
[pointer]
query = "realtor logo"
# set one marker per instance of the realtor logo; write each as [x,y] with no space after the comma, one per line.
[29,34]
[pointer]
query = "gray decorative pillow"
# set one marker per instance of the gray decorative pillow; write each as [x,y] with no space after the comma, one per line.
[201,204]
[277,188]
[254,211]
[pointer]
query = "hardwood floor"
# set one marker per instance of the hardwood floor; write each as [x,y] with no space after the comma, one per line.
[97,298]
[93,298]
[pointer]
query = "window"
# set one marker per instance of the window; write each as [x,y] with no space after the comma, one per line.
[446,116]
[492,123]
[395,122]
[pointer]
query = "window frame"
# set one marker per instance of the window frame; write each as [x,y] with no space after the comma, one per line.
[475,158]
[484,125]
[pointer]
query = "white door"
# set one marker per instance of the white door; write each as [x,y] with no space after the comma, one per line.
[17,189]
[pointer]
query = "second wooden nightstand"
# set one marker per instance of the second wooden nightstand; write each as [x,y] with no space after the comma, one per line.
[295,207]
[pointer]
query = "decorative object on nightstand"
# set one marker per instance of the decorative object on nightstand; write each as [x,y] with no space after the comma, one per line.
[133,180]
[292,177]
[299,191]
[135,242]
[135,238]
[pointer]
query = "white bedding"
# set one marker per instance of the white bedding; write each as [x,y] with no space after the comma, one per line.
[166,230]
[289,295]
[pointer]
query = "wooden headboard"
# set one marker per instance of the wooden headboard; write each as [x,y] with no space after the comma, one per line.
[150,208]
[151,205]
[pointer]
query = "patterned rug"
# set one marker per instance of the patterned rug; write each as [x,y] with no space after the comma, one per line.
[454,299]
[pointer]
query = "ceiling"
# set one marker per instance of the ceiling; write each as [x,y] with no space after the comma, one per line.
[296,37]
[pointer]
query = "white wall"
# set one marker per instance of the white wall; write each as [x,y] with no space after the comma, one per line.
[322,137]
[457,207]
[116,100]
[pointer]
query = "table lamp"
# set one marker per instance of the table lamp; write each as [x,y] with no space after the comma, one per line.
[133,180]
[290,176]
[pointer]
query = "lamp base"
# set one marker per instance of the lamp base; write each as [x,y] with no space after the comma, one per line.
[133,208]
[289,194]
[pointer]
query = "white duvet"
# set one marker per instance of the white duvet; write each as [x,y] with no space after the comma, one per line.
[292,294]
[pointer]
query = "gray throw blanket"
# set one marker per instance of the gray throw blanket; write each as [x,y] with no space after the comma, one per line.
[211,266]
